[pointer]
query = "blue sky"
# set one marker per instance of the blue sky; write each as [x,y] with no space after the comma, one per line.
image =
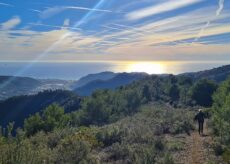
[108,30]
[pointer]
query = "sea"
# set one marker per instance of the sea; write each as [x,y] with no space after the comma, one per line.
[76,70]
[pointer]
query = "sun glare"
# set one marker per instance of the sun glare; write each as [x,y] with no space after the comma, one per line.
[148,67]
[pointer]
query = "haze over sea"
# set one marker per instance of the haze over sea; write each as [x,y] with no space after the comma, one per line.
[75,70]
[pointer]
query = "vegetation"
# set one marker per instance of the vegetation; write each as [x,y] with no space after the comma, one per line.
[131,124]
[221,119]
[135,139]
[52,117]
[202,92]
[16,109]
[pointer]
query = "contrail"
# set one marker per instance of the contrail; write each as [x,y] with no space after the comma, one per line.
[221,7]
[6,4]
[218,12]
[53,46]
[34,10]
[46,25]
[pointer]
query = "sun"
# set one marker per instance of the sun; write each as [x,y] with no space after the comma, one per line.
[148,67]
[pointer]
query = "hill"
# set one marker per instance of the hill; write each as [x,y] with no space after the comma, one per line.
[117,81]
[18,108]
[12,86]
[92,77]
[217,74]
[15,86]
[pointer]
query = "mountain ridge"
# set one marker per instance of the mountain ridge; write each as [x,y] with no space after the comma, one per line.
[217,74]
[119,80]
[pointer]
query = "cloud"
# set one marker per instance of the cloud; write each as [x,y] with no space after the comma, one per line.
[218,12]
[53,26]
[13,22]
[6,4]
[87,9]
[49,12]
[221,7]
[160,8]
[33,10]
[164,39]
[66,22]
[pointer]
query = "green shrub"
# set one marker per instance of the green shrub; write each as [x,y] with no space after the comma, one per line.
[218,149]
[159,145]
[88,135]
[202,92]
[168,159]
[52,117]
[226,155]
[110,135]
[175,146]
[74,151]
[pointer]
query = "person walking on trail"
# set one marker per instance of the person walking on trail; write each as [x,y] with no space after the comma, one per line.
[200,118]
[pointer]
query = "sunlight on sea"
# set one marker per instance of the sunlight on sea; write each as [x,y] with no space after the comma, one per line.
[75,70]
[166,67]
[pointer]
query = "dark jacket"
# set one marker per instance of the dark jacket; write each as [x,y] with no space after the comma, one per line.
[200,117]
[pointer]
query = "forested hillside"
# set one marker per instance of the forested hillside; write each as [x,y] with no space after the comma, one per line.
[16,109]
[218,74]
[117,80]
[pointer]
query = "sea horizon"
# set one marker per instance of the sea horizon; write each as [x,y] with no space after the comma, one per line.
[74,70]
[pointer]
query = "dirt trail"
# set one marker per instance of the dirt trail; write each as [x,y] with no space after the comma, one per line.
[198,150]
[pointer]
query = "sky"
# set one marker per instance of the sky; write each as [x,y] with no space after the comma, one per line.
[114,30]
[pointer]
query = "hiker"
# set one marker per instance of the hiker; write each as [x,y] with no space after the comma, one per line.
[200,118]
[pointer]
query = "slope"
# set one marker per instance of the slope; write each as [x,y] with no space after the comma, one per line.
[16,109]
[117,81]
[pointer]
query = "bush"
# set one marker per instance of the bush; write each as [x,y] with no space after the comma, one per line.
[133,154]
[226,155]
[202,92]
[52,117]
[159,145]
[110,135]
[74,151]
[221,112]
[218,149]
[168,159]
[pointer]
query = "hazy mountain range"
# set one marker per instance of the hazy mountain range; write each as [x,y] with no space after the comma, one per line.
[15,86]
[115,81]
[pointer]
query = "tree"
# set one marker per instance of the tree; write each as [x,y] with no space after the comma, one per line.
[202,92]
[174,92]
[33,124]
[221,112]
[52,117]
[146,93]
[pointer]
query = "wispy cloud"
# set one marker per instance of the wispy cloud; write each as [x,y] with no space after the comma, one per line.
[87,9]
[221,7]
[53,26]
[49,12]
[66,22]
[13,22]
[34,10]
[218,12]
[111,37]
[6,4]
[160,8]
